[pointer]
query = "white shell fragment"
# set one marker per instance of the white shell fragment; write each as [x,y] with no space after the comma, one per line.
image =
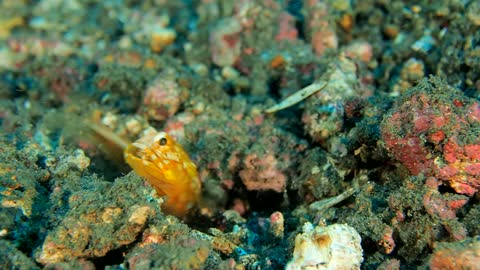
[298,96]
[333,247]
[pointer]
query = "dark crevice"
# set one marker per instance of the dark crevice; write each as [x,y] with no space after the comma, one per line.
[115,256]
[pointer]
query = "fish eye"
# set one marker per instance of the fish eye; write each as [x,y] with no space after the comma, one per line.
[162,141]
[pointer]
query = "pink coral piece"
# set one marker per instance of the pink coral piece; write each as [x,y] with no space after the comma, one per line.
[262,174]
[427,133]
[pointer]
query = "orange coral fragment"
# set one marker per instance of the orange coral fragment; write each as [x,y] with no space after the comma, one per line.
[278,62]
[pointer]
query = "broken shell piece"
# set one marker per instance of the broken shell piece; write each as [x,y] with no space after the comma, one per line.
[298,96]
[333,247]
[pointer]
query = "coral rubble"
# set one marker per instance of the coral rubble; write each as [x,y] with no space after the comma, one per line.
[360,117]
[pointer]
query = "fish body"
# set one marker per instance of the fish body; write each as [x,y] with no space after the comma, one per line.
[163,162]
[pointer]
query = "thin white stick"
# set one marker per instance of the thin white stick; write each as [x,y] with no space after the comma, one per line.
[298,96]
[329,202]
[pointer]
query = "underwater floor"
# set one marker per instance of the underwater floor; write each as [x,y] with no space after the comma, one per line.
[253,134]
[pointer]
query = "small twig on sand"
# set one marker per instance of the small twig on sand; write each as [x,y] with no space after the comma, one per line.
[298,96]
[329,202]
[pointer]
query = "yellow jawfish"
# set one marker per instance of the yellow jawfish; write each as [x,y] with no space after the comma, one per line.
[163,162]
[159,159]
